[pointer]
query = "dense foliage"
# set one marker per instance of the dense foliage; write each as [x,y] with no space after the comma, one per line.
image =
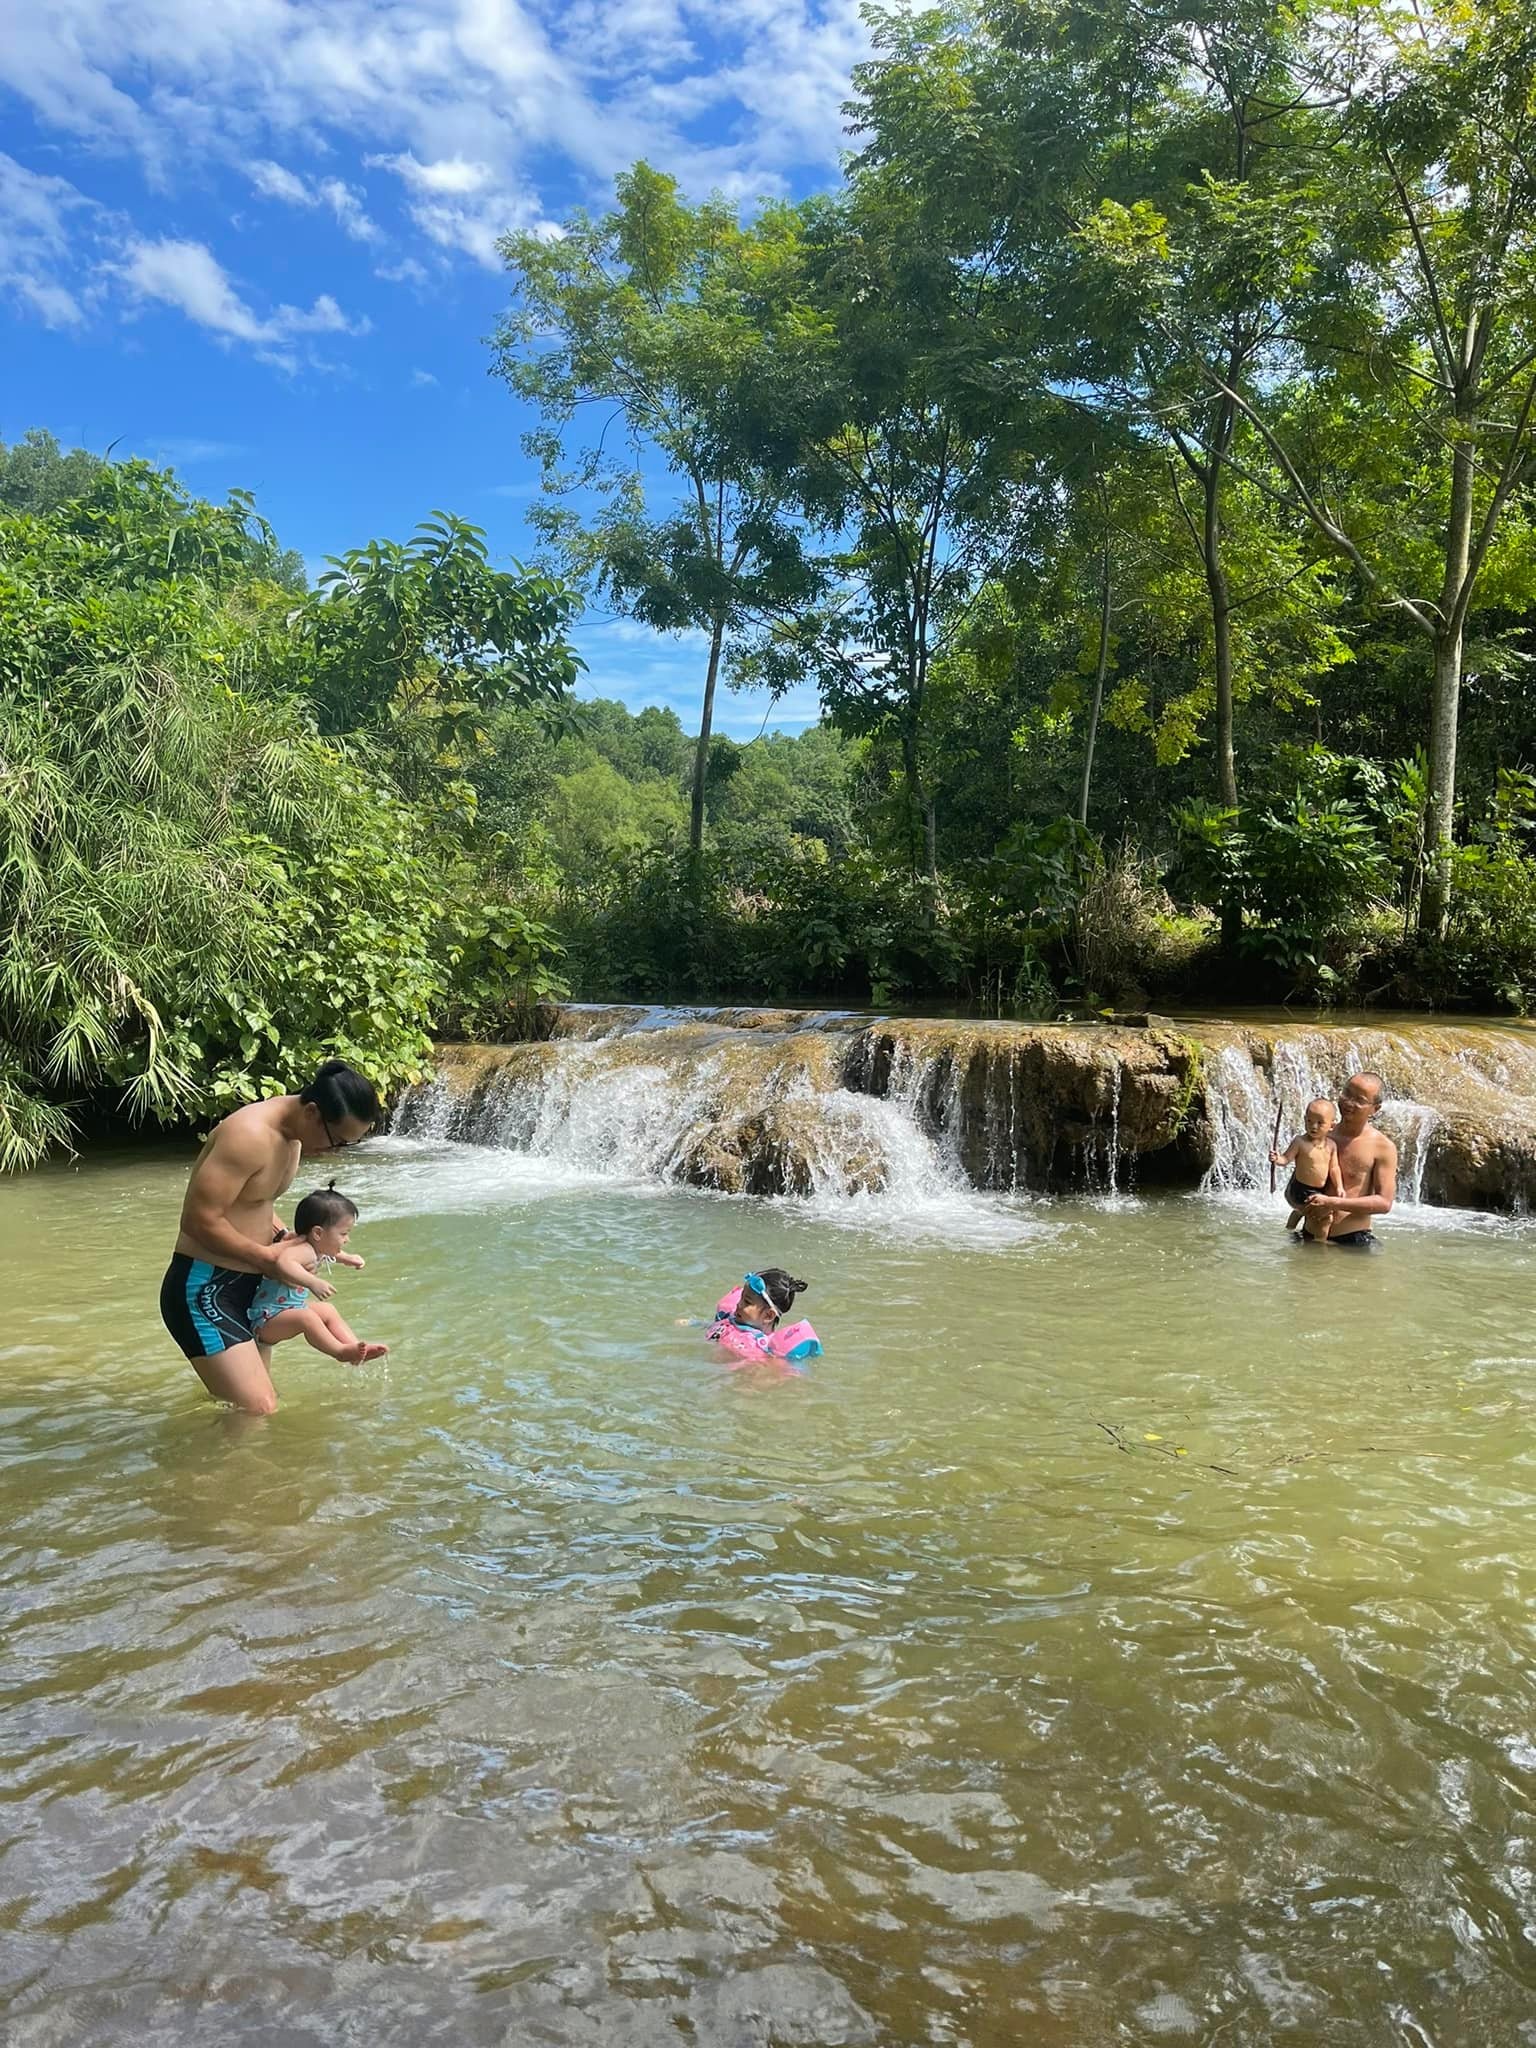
[1146,433]
[202,894]
[1135,453]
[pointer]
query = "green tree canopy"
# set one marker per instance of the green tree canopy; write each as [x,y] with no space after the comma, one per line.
[664,315]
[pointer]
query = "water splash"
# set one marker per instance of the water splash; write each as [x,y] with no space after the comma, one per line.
[723,1109]
[933,1119]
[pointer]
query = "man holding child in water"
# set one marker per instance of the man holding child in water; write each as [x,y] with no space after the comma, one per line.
[1367,1165]
[231,1236]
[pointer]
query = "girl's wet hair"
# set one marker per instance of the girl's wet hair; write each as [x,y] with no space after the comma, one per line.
[780,1288]
[325,1206]
[339,1090]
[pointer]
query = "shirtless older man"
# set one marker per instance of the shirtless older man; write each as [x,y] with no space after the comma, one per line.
[228,1227]
[1367,1166]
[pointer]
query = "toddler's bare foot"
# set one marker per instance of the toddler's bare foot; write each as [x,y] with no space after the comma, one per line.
[355,1353]
[372,1351]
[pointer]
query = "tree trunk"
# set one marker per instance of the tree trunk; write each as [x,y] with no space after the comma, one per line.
[1101,669]
[1440,809]
[701,752]
[1221,639]
[1221,636]
[922,804]
[1445,703]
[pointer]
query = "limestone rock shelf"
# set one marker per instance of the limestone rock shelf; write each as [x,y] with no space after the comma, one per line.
[760,1101]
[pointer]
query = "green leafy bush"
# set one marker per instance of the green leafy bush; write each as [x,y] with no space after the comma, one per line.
[504,972]
[203,901]
[202,897]
[1302,870]
[666,927]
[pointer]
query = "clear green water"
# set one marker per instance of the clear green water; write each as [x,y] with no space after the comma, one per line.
[555,1685]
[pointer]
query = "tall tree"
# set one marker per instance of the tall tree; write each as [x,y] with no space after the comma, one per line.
[37,476]
[889,458]
[1072,135]
[1439,131]
[662,314]
[1410,445]
[1208,165]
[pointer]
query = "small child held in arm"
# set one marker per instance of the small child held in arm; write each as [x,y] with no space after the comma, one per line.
[322,1223]
[1313,1159]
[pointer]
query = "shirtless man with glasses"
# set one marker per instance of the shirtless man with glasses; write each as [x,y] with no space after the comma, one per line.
[1367,1166]
[228,1226]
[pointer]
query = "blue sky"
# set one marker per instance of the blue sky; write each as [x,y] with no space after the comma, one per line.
[255,238]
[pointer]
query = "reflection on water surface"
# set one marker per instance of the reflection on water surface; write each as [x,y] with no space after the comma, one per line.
[1122,1635]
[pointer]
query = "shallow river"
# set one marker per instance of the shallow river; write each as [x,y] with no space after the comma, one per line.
[1122,1635]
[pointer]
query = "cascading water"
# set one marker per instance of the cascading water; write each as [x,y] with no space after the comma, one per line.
[1242,1121]
[922,1118]
[1249,1106]
[699,1102]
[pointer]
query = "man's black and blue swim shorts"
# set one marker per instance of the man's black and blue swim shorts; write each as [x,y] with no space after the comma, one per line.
[206,1308]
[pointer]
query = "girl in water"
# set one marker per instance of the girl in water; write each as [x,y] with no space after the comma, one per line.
[322,1223]
[749,1321]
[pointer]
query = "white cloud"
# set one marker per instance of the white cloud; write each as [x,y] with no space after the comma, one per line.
[37,213]
[276,181]
[474,110]
[459,203]
[273,181]
[453,174]
[472,103]
[51,245]
[406,271]
[348,209]
[54,304]
[188,276]
[422,377]
[791,80]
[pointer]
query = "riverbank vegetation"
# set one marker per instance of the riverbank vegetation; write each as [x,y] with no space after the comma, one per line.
[1140,436]
[1134,455]
[235,834]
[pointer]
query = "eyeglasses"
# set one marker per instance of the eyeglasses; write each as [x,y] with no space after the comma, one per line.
[339,1144]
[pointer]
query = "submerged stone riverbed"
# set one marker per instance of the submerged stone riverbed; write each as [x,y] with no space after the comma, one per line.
[1122,1635]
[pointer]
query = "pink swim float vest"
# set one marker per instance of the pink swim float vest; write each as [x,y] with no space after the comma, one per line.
[786,1346]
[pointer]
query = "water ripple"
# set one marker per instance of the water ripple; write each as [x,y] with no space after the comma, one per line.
[1086,1652]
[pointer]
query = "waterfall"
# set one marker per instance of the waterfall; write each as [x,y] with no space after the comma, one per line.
[1242,1121]
[925,1117]
[697,1100]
